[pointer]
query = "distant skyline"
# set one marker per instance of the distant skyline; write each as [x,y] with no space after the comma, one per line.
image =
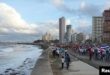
[34,17]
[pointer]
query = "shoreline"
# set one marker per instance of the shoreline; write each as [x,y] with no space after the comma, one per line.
[42,66]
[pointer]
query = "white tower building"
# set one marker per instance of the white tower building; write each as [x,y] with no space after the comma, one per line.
[61,29]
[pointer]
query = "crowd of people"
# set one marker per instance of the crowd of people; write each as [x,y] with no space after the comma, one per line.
[63,55]
[95,52]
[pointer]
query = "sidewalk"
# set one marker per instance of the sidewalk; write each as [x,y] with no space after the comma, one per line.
[42,66]
[80,68]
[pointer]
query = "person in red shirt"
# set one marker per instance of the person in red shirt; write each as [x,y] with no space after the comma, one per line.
[90,53]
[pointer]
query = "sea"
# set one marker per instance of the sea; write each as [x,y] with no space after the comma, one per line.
[18,59]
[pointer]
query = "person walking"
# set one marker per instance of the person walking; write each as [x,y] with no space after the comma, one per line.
[96,53]
[54,53]
[67,60]
[62,62]
[90,53]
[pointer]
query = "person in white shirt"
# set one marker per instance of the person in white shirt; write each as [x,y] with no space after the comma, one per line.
[62,61]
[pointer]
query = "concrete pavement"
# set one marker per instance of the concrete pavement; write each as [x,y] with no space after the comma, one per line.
[80,68]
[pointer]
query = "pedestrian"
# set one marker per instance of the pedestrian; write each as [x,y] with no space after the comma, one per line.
[67,60]
[90,53]
[62,62]
[96,53]
[57,53]
[65,53]
[54,53]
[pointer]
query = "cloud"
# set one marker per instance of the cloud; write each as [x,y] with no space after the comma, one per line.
[59,4]
[68,21]
[107,5]
[86,30]
[89,9]
[86,9]
[82,25]
[13,25]
[50,26]
[12,22]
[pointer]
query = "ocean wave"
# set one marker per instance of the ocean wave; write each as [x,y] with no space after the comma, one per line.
[7,50]
[18,61]
[24,69]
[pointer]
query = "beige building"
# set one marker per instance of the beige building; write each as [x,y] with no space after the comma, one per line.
[73,37]
[47,37]
[80,38]
[97,29]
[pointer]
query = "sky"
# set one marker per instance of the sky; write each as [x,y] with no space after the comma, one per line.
[28,20]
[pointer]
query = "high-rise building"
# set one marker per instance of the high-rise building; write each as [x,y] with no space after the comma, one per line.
[97,29]
[61,29]
[106,26]
[68,33]
[73,37]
